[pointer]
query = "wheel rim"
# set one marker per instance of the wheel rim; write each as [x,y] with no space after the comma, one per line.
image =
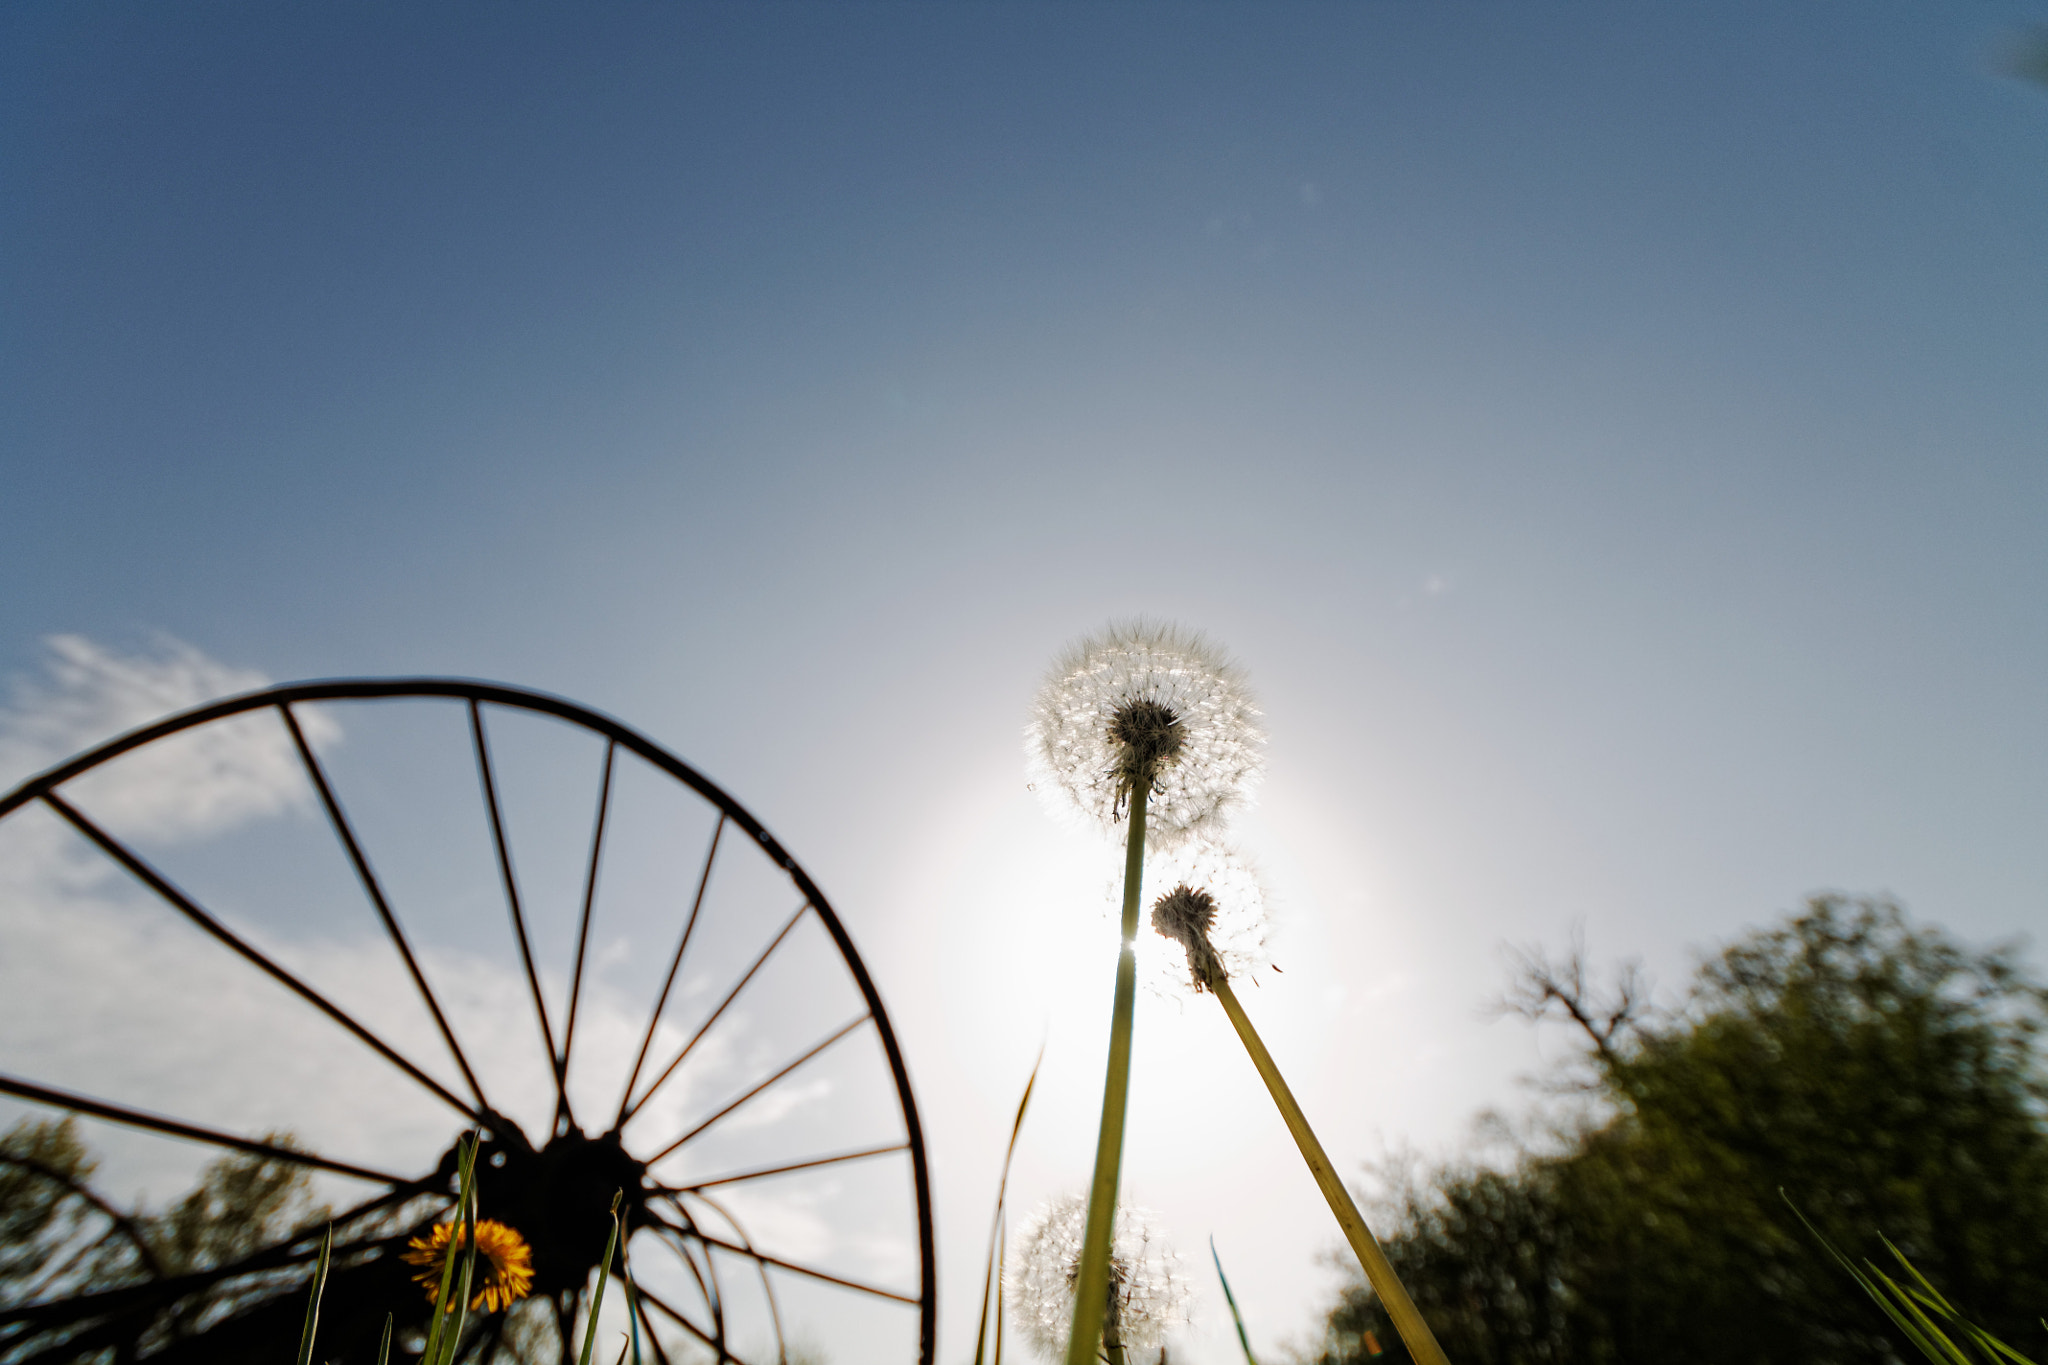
[694,1255]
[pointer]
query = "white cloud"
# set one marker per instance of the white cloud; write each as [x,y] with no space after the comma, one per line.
[201,781]
[106,990]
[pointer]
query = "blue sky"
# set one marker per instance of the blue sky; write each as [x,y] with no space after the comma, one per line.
[1611,437]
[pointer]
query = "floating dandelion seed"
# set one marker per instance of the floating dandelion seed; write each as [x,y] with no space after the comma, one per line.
[1148,1292]
[1142,700]
[503,1260]
[1202,888]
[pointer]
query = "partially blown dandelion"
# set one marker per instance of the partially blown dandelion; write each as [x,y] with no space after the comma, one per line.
[1148,722]
[1209,920]
[504,1263]
[1144,723]
[1147,1293]
[1190,914]
[1151,702]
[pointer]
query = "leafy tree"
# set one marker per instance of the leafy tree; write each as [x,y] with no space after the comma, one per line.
[1888,1079]
[59,1237]
[53,1229]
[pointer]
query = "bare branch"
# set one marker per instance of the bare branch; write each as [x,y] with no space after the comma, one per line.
[1540,987]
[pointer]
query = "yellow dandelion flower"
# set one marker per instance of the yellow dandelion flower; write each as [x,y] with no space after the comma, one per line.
[504,1262]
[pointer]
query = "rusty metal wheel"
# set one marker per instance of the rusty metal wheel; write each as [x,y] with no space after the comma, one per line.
[374,915]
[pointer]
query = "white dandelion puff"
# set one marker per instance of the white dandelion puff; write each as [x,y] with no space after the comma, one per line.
[1148,1289]
[1143,700]
[1208,916]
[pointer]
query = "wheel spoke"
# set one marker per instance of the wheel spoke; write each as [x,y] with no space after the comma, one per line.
[626,1115]
[339,819]
[693,1219]
[714,1298]
[767,1289]
[668,982]
[150,1295]
[295,1249]
[813,1052]
[156,882]
[141,1118]
[653,1340]
[57,1274]
[766,1171]
[715,1342]
[118,1222]
[99,1303]
[490,786]
[489,1334]
[604,801]
[813,1272]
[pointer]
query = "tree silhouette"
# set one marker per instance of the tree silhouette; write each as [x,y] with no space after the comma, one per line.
[1884,1075]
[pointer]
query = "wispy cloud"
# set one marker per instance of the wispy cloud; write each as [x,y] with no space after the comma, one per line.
[199,782]
[107,990]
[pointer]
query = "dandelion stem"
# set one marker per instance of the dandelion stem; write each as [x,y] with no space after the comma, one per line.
[1379,1272]
[1112,1330]
[1092,1286]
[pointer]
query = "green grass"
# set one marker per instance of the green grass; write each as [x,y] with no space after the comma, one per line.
[1918,1309]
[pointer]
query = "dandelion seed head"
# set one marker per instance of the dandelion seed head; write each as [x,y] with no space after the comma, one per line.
[1146,701]
[1184,915]
[1150,1288]
[1205,887]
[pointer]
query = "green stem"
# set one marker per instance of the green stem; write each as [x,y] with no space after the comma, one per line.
[465,1161]
[1092,1285]
[1243,1338]
[991,1285]
[313,1303]
[1112,1331]
[1379,1272]
[604,1270]
[452,1342]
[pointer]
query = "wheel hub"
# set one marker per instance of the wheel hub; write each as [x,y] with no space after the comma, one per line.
[558,1198]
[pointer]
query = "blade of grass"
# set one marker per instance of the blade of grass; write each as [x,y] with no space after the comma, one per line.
[1937,1347]
[1869,1286]
[384,1346]
[991,1288]
[604,1269]
[313,1303]
[1933,1298]
[453,1342]
[626,1284]
[1002,1273]
[1231,1299]
[1928,1327]
[465,1163]
[1927,1290]
[1988,1343]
